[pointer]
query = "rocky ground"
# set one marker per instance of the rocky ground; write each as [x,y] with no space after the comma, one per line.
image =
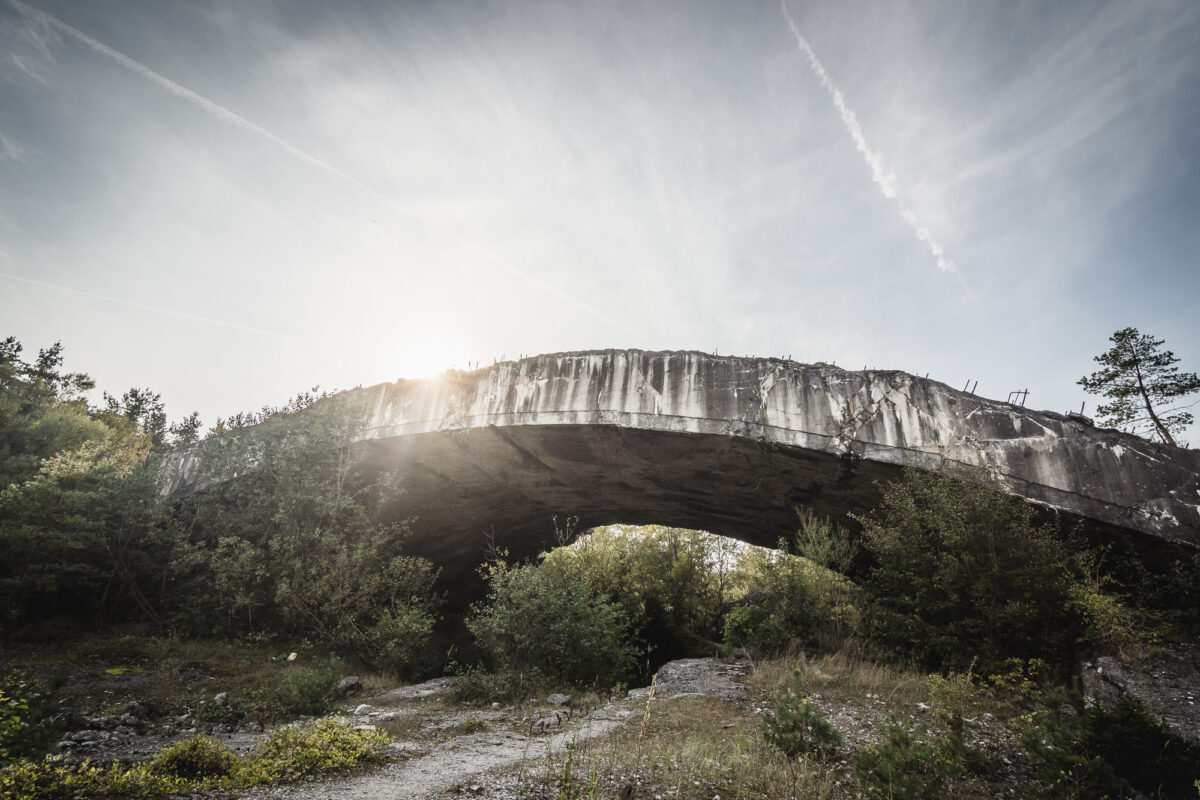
[443,750]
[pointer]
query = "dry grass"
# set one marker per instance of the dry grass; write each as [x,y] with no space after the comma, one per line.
[692,748]
[845,674]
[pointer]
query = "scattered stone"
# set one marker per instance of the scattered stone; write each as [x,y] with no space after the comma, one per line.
[221,699]
[252,726]
[129,719]
[348,686]
[363,710]
[84,737]
[363,728]
[558,699]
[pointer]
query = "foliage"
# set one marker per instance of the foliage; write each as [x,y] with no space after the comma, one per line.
[308,689]
[1138,378]
[797,728]
[54,779]
[42,410]
[80,518]
[14,708]
[288,754]
[84,533]
[671,582]
[963,572]
[1104,751]
[538,620]
[797,594]
[1063,766]
[901,766]
[300,535]
[324,745]
[196,758]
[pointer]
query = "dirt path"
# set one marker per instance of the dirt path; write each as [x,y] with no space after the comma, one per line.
[465,759]
[452,763]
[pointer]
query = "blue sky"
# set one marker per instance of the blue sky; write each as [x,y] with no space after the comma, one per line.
[230,202]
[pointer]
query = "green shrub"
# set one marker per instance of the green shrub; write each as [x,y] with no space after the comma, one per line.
[1141,749]
[797,728]
[1064,768]
[963,572]
[536,620]
[324,745]
[200,764]
[54,779]
[800,596]
[901,767]
[198,758]
[1103,751]
[14,708]
[309,689]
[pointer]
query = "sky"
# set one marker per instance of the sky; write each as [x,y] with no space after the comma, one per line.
[231,202]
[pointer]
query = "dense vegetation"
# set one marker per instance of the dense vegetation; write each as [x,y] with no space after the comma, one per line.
[296,538]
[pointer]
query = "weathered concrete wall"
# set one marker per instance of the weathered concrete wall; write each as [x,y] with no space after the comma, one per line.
[731,445]
[889,417]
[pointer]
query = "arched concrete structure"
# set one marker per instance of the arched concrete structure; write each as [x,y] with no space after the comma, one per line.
[731,445]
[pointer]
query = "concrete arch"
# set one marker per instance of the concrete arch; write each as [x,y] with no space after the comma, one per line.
[731,445]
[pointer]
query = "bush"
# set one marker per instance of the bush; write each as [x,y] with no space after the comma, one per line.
[30,723]
[13,709]
[54,779]
[962,572]
[537,621]
[1103,751]
[309,690]
[198,758]
[798,596]
[797,728]
[298,533]
[1063,767]
[901,767]
[324,745]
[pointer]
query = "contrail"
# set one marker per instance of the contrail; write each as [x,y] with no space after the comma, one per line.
[224,114]
[157,310]
[883,177]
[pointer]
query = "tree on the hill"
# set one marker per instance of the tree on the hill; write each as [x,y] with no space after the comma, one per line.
[1139,378]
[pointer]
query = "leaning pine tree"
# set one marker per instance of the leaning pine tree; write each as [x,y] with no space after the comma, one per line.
[1139,378]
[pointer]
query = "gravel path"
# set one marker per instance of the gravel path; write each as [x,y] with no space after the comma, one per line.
[451,764]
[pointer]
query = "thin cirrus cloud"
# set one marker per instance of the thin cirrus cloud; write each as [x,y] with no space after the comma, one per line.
[881,174]
[225,115]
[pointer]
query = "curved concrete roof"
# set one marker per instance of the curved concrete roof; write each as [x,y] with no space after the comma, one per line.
[732,445]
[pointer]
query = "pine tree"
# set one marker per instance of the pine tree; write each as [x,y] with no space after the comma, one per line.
[1138,378]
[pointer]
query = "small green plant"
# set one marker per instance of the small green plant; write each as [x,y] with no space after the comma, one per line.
[324,745]
[309,689]
[901,767]
[797,728]
[13,709]
[54,778]
[198,758]
[200,764]
[564,781]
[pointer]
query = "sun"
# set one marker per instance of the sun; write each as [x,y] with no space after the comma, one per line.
[427,360]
